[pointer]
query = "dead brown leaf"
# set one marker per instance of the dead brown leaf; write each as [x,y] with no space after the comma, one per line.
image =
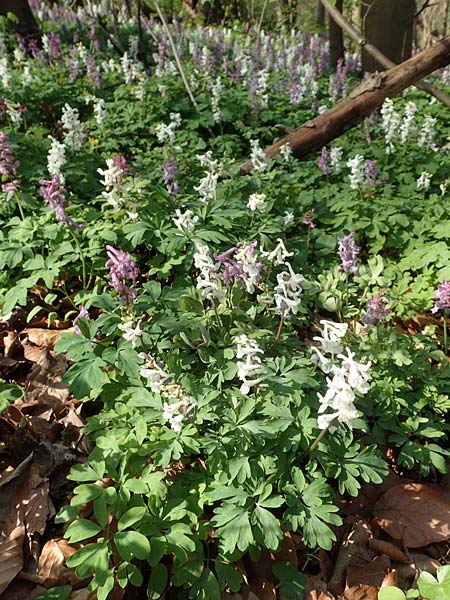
[45,338]
[361,592]
[11,556]
[371,574]
[382,547]
[12,343]
[422,562]
[353,550]
[51,563]
[390,579]
[288,550]
[315,595]
[33,504]
[10,487]
[83,594]
[415,514]
[44,382]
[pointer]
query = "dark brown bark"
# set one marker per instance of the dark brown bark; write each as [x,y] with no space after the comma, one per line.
[388,25]
[320,14]
[336,38]
[361,103]
[27,25]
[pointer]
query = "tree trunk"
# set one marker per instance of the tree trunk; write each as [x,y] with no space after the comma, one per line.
[336,38]
[388,25]
[320,14]
[27,25]
[361,103]
[431,23]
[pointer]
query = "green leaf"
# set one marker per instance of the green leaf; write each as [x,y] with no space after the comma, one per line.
[269,526]
[233,528]
[61,592]
[82,529]
[16,295]
[435,589]
[228,575]
[391,593]
[86,377]
[157,582]
[132,544]
[292,580]
[9,393]
[85,493]
[132,516]
[206,588]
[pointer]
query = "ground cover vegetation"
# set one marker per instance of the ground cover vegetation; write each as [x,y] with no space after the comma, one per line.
[246,352]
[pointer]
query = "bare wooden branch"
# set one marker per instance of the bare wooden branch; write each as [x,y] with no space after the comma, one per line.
[360,103]
[339,18]
[175,54]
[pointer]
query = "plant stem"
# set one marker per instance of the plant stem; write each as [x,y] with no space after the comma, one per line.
[82,257]
[280,327]
[445,334]
[19,205]
[318,439]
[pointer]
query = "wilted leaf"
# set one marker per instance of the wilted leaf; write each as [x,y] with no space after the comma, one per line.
[353,550]
[371,574]
[44,382]
[51,563]
[361,592]
[382,547]
[11,556]
[415,514]
[45,338]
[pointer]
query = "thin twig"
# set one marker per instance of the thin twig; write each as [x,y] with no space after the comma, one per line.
[261,17]
[175,54]
[425,6]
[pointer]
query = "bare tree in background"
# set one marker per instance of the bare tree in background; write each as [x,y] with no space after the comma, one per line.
[388,25]
[26,25]
[336,38]
[432,21]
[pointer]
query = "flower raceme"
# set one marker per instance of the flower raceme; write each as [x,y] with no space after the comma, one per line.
[121,269]
[377,310]
[250,370]
[288,291]
[54,193]
[349,377]
[208,278]
[178,404]
[8,163]
[348,251]
[442,297]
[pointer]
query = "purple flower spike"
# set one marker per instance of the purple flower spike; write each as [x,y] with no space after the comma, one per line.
[377,310]
[170,176]
[121,163]
[8,163]
[308,219]
[83,314]
[348,251]
[442,296]
[324,162]
[371,172]
[54,193]
[121,268]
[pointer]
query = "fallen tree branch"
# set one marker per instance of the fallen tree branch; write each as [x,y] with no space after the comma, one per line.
[362,101]
[175,55]
[339,18]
